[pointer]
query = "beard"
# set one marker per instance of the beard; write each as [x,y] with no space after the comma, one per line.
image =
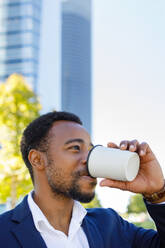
[74,192]
[63,188]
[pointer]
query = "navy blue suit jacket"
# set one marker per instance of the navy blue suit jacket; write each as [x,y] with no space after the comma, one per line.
[104,228]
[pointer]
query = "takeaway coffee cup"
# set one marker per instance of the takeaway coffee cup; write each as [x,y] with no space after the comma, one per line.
[113,163]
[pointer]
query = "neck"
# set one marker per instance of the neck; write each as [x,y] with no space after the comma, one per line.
[56,208]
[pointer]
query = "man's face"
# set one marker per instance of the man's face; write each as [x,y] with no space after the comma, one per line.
[66,162]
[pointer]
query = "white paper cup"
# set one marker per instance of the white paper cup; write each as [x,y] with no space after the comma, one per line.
[113,163]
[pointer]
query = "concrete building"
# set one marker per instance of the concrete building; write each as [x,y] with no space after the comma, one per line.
[56,63]
[20,39]
[76,59]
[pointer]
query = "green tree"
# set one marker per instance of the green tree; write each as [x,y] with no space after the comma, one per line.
[95,203]
[148,224]
[136,204]
[18,107]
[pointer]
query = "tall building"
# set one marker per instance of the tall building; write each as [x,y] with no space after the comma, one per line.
[63,80]
[20,38]
[76,59]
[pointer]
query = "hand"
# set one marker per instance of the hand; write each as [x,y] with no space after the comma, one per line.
[150,177]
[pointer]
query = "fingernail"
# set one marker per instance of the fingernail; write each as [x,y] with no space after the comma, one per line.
[132,147]
[142,153]
[122,146]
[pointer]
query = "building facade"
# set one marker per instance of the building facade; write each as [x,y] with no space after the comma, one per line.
[76,59]
[20,38]
[63,81]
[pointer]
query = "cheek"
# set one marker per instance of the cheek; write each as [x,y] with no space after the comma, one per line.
[68,160]
[65,162]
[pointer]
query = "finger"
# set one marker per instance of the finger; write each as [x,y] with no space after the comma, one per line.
[133,145]
[112,145]
[142,149]
[114,184]
[124,144]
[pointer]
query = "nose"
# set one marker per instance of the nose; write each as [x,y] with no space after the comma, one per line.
[84,157]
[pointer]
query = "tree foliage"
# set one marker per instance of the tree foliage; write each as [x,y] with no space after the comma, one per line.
[18,107]
[136,204]
[148,224]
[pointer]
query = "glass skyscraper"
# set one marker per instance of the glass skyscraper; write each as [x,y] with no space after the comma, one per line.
[65,54]
[20,38]
[76,59]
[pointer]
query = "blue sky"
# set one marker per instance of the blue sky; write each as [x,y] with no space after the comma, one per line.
[128,41]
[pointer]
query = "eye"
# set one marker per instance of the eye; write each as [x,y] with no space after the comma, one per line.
[75,148]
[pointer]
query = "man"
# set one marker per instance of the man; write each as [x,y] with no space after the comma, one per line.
[55,148]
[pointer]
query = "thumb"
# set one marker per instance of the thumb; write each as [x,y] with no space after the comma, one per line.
[114,184]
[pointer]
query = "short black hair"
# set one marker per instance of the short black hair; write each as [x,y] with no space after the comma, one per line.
[35,135]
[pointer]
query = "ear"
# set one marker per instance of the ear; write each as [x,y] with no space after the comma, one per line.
[36,159]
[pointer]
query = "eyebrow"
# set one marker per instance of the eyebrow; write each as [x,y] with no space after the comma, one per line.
[76,140]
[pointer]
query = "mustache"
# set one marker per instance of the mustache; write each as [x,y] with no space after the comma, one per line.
[78,174]
[81,173]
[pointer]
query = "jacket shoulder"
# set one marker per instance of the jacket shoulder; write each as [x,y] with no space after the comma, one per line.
[5,218]
[14,216]
[5,228]
[103,211]
[103,215]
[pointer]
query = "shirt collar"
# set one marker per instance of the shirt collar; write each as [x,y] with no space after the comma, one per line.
[39,218]
[37,214]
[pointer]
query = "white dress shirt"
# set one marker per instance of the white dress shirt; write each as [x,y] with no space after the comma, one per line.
[53,238]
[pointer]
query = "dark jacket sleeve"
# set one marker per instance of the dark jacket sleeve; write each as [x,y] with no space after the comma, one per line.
[157,212]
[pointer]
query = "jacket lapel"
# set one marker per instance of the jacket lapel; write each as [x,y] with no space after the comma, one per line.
[24,229]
